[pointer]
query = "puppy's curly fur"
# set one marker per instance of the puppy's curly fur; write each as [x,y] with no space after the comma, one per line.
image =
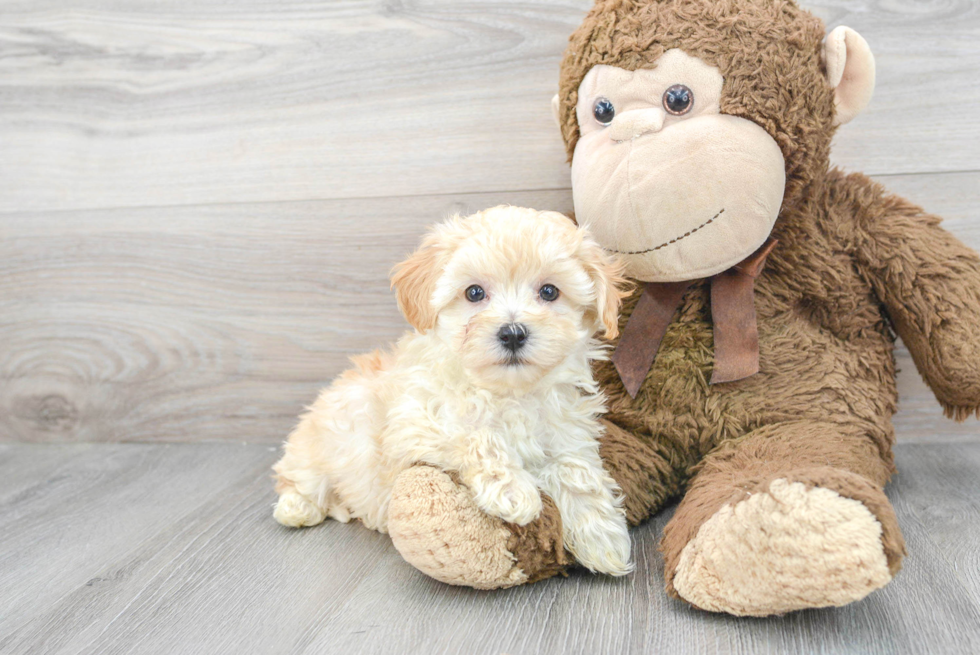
[511,420]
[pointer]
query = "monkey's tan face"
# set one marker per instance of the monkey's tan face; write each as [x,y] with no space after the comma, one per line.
[660,176]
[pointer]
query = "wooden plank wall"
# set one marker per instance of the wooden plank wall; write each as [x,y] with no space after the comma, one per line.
[200,202]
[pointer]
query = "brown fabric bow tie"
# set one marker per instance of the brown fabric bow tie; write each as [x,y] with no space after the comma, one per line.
[732,315]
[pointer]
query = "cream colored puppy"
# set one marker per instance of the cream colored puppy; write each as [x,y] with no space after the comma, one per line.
[494,383]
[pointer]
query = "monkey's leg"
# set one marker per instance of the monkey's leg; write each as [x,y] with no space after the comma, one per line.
[644,475]
[436,526]
[788,517]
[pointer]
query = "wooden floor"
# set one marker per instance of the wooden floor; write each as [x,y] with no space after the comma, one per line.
[199,206]
[157,548]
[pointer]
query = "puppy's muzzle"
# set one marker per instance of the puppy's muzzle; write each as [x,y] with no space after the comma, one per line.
[513,336]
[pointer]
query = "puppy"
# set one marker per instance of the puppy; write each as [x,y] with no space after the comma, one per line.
[495,383]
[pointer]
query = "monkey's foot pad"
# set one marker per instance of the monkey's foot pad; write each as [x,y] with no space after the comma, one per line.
[792,548]
[438,529]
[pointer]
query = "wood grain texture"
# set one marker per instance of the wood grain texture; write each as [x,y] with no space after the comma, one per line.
[122,548]
[222,322]
[198,323]
[163,320]
[147,103]
[199,205]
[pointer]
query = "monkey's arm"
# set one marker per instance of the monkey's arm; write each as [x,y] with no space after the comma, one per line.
[929,283]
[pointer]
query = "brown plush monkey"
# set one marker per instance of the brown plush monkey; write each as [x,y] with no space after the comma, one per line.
[699,135]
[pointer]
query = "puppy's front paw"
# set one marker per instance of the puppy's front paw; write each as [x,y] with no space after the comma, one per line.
[601,545]
[295,511]
[515,500]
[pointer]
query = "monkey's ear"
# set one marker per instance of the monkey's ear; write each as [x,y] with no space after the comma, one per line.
[850,72]
[556,110]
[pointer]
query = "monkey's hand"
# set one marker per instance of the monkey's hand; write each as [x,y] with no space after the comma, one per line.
[929,283]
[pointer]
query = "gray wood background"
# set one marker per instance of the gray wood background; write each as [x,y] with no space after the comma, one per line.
[199,206]
[200,202]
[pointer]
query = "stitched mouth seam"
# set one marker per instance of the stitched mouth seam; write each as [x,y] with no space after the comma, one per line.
[672,241]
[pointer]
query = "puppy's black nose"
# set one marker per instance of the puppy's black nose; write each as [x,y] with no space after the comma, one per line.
[513,336]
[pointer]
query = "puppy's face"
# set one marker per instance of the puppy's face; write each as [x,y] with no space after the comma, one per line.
[513,292]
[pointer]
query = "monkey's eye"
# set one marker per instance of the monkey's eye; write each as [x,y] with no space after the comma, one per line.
[603,111]
[678,100]
[475,293]
[549,293]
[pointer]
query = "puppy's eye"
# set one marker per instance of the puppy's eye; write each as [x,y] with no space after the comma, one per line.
[678,100]
[603,111]
[549,293]
[475,293]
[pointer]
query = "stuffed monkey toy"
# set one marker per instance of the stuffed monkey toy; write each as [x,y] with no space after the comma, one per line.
[754,373]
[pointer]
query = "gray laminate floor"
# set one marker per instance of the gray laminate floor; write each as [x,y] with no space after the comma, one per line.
[146,548]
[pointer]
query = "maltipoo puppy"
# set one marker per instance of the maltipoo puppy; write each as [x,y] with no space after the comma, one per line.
[495,383]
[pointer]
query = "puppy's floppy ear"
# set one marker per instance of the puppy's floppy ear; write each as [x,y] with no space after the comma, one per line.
[415,278]
[611,285]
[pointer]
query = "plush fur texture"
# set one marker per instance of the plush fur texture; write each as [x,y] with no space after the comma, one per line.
[768,52]
[451,394]
[854,266]
[430,506]
[815,544]
[474,545]
[638,182]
